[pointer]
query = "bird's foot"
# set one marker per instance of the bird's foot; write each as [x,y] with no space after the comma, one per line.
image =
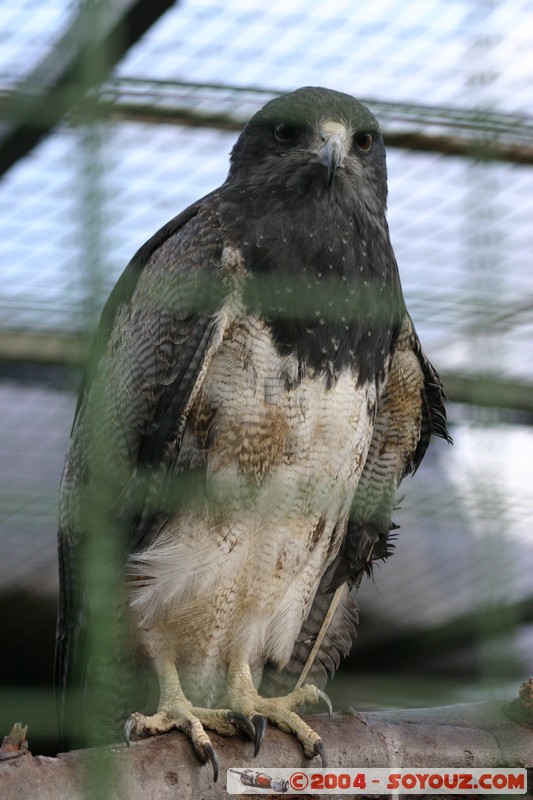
[249,715]
[192,721]
[281,712]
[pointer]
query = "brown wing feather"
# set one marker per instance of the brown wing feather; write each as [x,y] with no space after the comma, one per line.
[157,334]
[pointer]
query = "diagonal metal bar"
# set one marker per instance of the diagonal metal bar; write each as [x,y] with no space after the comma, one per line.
[81,60]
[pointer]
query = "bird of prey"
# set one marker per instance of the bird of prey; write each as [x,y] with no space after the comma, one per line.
[255,393]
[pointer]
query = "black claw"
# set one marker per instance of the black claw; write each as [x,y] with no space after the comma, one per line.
[260,724]
[243,724]
[323,696]
[211,756]
[320,750]
[128,727]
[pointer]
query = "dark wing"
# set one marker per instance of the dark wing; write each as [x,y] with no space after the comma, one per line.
[411,409]
[158,332]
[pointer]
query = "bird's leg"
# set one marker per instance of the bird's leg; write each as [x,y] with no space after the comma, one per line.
[242,695]
[176,711]
[246,710]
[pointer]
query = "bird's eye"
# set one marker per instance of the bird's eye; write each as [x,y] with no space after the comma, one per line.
[285,132]
[364,141]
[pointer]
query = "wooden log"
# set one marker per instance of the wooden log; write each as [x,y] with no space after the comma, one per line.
[165,767]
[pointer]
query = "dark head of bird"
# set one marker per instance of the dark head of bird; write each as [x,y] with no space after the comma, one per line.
[306,198]
[316,141]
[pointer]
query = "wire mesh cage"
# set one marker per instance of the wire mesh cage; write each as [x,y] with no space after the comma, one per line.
[122,132]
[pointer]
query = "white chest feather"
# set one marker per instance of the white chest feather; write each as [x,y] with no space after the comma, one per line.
[282,457]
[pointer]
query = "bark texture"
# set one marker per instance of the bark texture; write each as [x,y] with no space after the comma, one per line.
[165,768]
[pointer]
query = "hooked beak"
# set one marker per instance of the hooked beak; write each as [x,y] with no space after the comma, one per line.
[332,152]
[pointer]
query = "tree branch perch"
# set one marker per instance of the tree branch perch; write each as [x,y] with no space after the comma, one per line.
[468,735]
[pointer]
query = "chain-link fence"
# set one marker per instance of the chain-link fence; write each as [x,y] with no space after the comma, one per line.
[103,165]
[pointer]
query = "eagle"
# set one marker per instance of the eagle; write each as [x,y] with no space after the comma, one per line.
[254,395]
